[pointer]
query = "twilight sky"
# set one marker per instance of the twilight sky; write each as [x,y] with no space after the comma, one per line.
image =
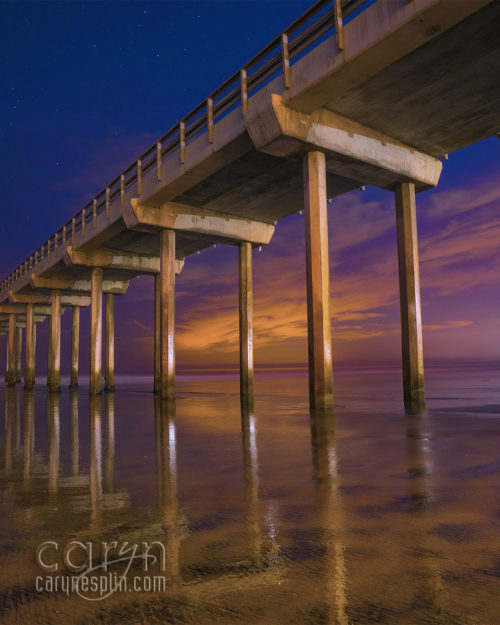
[86,86]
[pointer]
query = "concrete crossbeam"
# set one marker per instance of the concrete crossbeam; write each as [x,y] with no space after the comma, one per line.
[196,221]
[45,298]
[352,150]
[117,287]
[114,259]
[21,309]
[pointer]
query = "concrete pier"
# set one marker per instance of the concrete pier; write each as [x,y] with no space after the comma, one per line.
[167,314]
[409,292]
[95,386]
[268,144]
[19,352]
[10,372]
[318,282]
[246,326]
[54,370]
[109,370]
[75,347]
[29,368]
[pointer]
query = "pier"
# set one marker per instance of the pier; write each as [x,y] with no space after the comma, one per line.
[352,93]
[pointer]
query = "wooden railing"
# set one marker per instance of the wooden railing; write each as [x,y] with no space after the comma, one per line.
[322,20]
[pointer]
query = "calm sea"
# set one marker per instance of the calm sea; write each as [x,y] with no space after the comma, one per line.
[366,516]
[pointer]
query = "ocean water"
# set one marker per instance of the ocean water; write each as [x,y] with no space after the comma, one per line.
[368,515]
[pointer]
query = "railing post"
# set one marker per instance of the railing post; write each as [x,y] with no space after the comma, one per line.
[107,203]
[244,91]
[94,213]
[339,28]
[158,161]
[139,176]
[285,61]
[182,141]
[210,119]
[82,230]
[122,189]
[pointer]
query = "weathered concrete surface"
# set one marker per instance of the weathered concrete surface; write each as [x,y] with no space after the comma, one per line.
[196,221]
[117,287]
[54,364]
[10,372]
[422,72]
[167,315]
[75,347]
[95,386]
[19,352]
[351,149]
[29,368]
[109,351]
[246,327]
[119,261]
[38,297]
[409,289]
[318,283]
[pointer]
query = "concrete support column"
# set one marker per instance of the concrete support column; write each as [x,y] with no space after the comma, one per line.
[10,374]
[109,372]
[49,351]
[75,347]
[96,331]
[19,352]
[246,326]
[409,291]
[29,367]
[157,337]
[318,283]
[54,370]
[167,314]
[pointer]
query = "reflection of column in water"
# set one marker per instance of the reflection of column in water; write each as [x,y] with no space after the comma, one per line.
[251,478]
[75,444]
[17,436]
[109,411]
[95,456]
[53,417]
[326,477]
[421,471]
[9,426]
[29,432]
[166,471]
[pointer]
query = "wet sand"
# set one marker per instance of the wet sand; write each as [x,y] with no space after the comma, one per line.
[275,518]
